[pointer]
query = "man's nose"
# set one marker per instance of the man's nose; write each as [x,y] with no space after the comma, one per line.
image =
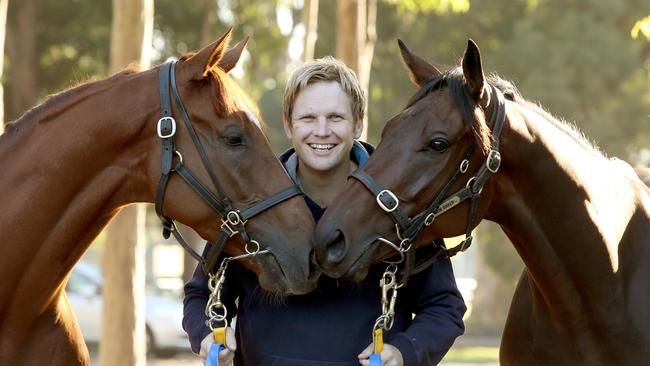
[322,127]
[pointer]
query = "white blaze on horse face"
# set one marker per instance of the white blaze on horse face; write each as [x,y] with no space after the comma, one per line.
[252,118]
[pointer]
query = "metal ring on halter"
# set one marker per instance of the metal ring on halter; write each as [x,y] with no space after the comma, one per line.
[469,185]
[397,248]
[257,247]
[464,165]
[180,158]
[404,249]
[429,219]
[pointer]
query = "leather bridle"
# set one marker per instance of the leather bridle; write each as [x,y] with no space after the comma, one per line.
[233,221]
[409,228]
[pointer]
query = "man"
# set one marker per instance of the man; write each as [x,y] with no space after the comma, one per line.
[323,115]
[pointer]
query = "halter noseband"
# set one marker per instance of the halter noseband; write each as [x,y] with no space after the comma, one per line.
[409,228]
[232,221]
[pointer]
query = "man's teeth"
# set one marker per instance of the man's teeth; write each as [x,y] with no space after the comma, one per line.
[322,146]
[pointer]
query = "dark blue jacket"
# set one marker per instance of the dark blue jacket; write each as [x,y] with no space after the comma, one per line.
[331,325]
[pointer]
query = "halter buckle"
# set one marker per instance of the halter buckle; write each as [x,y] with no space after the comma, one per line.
[233,218]
[165,132]
[391,200]
[229,231]
[493,161]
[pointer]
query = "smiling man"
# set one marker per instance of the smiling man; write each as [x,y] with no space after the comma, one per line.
[323,116]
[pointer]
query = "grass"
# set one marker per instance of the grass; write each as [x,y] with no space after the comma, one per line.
[473,355]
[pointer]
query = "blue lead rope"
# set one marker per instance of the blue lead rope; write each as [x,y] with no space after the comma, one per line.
[375,360]
[213,355]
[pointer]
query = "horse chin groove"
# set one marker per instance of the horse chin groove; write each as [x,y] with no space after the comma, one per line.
[274,279]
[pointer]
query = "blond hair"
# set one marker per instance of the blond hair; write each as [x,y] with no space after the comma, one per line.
[325,69]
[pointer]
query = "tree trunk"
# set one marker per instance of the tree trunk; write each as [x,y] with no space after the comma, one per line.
[123,332]
[355,40]
[209,23]
[22,54]
[310,21]
[3,28]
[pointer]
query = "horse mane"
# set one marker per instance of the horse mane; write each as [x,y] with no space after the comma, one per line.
[227,97]
[54,104]
[455,81]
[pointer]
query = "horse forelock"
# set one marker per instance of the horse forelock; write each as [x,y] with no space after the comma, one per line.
[229,98]
[454,81]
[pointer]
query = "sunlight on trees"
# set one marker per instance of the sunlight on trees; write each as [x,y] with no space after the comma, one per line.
[431,6]
[641,27]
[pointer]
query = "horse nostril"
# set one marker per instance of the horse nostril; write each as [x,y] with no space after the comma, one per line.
[336,248]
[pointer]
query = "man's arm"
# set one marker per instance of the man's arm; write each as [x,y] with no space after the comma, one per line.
[439,310]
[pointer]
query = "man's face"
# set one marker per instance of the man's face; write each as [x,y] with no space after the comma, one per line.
[322,127]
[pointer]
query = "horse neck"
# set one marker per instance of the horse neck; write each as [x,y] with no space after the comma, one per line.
[565,207]
[66,171]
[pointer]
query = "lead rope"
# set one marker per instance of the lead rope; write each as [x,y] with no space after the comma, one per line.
[215,310]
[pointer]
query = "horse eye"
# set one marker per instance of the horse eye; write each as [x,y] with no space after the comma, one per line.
[233,140]
[438,145]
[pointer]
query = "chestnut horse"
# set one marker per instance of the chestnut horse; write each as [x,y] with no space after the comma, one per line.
[70,164]
[579,221]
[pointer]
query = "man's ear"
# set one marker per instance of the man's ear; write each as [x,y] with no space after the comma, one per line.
[358,129]
[287,128]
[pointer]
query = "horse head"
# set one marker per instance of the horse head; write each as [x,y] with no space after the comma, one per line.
[427,152]
[219,138]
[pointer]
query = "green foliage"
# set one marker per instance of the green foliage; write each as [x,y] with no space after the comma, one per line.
[72,44]
[575,58]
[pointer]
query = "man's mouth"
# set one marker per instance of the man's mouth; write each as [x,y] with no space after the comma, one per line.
[322,147]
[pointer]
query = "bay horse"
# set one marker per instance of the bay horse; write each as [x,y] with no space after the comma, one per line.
[579,221]
[70,164]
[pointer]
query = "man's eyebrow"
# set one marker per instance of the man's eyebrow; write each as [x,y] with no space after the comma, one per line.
[306,114]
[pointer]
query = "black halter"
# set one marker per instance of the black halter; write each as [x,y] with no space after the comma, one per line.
[232,220]
[409,228]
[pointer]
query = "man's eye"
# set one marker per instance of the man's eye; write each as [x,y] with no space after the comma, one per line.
[438,145]
[336,118]
[233,140]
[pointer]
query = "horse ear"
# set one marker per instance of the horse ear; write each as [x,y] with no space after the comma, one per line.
[231,57]
[420,71]
[473,70]
[201,62]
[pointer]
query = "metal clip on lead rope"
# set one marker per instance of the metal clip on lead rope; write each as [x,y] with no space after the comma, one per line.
[215,309]
[384,322]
